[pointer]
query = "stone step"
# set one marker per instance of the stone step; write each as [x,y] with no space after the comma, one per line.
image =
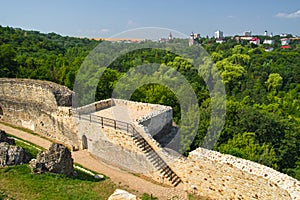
[154,158]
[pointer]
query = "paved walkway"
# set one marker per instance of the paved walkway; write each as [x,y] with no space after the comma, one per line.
[116,175]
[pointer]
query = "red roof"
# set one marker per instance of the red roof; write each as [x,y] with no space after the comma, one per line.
[254,39]
[286,47]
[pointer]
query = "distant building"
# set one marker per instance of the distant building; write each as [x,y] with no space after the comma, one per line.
[254,40]
[283,35]
[266,33]
[270,42]
[194,39]
[219,34]
[165,40]
[285,41]
[247,33]
[220,41]
[170,36]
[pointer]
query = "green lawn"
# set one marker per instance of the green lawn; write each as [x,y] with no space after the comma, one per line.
[18,183]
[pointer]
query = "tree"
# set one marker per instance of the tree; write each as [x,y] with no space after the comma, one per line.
[245,146]
[8,66]
[274,82]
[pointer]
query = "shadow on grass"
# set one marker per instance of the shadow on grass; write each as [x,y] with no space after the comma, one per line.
[24,170]
[18,182]
[86,177]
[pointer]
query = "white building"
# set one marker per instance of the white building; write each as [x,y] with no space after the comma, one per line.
[220,41]
[254,41]
[247,33]
[219,34]
[270,42]
[283,35]
[285,41]
[194,38]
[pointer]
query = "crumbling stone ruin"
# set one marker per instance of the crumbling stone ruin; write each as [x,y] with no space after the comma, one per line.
[56,160]
[10,154]
[128,135]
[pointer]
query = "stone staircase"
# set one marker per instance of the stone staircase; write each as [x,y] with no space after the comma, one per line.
[156,160]
[140,141]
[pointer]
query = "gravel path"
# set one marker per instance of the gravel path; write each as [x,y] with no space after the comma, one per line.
[119,177]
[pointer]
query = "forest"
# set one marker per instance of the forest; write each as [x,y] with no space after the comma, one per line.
[262,121]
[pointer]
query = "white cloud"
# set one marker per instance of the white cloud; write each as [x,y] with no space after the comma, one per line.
[289,15]
[104,30]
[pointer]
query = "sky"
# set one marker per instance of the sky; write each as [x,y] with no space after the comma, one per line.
[105,18]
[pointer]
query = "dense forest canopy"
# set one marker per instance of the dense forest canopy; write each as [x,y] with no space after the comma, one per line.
[263,88]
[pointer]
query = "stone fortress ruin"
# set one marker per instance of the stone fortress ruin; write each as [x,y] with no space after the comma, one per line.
[129,134]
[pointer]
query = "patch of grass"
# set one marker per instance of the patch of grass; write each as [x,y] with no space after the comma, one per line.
[146,196]
[19,183]
[30,149]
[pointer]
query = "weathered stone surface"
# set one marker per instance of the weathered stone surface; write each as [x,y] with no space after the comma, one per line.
[57,160]
[122,195]
[4,138]
[12,155]
[99,176]
[40,106]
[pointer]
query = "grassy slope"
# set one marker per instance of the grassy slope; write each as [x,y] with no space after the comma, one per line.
[18,183]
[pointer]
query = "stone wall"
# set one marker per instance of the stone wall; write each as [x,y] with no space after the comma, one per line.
[219,176]
[153,116]
[40,106]
[114,147]
[94,107]
[242,169]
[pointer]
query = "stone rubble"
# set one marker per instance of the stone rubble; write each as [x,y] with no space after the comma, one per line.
[56,160]
[10,154]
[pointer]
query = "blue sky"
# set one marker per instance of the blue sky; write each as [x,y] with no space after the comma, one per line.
[91,18]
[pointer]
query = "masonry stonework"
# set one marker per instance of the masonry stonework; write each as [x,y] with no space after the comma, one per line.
[40,106]
[45,108]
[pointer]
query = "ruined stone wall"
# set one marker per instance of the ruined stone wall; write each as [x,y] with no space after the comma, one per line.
[40,106]
[153,116]
[211,174]
[114,147]
[94,106]
[244,173]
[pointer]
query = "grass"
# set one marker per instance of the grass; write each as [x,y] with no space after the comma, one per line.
[29,148]
[17,182]
[146,196]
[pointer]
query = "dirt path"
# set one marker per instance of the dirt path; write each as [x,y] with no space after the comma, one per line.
[119,177]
